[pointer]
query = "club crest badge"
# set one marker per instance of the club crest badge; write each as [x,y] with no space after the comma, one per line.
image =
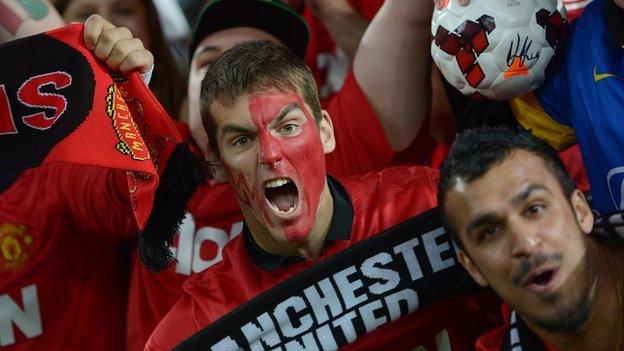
[16,246]
[130,140]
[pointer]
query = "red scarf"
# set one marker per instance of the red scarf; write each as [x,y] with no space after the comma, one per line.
[58,103]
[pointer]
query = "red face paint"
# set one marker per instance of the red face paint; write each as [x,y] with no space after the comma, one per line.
[296,157]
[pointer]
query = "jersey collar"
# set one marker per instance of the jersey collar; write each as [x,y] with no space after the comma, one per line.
[339,229]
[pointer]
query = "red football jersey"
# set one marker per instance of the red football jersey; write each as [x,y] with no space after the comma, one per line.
[380,200]
[215,216]
[60,259]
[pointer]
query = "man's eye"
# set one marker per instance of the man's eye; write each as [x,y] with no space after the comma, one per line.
[241,141]
[488,232]
[289,128]
[535,209]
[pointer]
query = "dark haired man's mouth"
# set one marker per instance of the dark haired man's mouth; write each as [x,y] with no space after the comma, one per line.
[541,281]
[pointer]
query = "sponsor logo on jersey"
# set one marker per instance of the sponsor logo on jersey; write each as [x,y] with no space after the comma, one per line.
[600,76]
[23,316]
[198,249]
[615,180]
[16,246]
[130,141]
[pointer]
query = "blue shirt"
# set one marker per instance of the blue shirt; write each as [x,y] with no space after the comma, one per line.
[587,93]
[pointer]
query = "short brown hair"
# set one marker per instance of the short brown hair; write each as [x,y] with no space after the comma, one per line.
[250,67]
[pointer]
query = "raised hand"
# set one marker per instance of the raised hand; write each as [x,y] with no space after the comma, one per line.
[116,46]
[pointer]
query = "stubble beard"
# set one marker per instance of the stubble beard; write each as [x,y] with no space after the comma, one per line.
[573,315]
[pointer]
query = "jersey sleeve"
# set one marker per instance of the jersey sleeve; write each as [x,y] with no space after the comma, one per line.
[553,94]
[361,144]
[98,201]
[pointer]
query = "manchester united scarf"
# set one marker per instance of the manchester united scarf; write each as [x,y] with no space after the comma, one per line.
[418,256]
[58,103]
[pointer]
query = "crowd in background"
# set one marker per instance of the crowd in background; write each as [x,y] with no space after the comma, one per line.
[337,29]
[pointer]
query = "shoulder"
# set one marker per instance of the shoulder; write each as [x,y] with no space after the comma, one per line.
[383,199]
[393,182]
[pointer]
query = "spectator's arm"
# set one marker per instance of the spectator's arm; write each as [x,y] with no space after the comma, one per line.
[392,65]
[20,19]
[345,25]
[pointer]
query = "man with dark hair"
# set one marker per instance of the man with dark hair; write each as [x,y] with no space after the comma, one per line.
[270,146]
[523,230]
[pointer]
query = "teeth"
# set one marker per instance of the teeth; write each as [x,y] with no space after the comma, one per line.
[290,210]
[276,183]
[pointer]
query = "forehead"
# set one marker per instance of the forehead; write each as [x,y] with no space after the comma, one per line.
[264,105]
[223,40]
[501,183]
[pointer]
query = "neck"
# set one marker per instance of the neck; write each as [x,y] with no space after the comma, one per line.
[308,248]
[602,329]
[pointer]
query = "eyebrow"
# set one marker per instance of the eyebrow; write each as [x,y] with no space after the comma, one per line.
[493,218]
[523,195]
[285,111]
[233,128]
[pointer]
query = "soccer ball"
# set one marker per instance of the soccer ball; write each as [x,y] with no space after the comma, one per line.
[497,49]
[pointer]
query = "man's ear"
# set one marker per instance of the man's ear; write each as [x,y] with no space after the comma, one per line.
[472,269]
[582,211]
[215,165]
[326,131]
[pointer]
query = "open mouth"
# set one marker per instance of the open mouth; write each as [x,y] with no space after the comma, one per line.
[282,195]
[541,282]
[542,279]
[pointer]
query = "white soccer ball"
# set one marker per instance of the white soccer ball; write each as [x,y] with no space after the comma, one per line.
[497,49]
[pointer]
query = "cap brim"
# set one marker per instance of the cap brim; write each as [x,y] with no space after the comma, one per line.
[275,19]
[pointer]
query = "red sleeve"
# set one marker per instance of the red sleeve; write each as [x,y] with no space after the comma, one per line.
[361,144]
[98,200]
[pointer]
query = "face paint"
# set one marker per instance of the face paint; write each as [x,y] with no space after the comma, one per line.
[291,170]
[246,195]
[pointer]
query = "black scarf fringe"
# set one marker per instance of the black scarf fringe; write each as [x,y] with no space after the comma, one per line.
[184,173]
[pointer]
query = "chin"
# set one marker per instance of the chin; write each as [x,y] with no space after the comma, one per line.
[567,318]
[296,233]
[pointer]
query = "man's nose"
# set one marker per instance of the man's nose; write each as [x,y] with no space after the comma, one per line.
[526,238]
[270,150]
